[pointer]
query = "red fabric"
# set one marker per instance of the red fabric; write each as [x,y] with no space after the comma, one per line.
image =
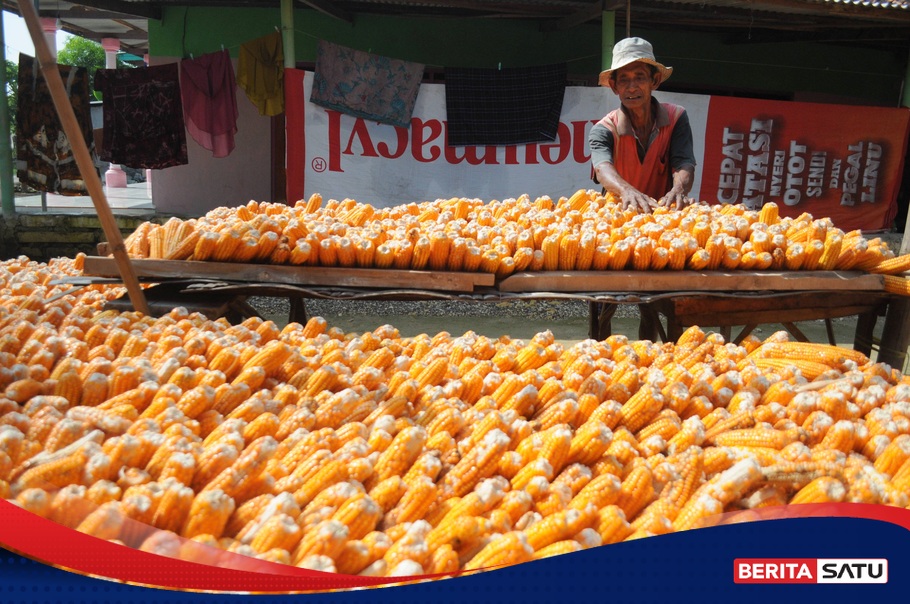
[208,88]
[653,176]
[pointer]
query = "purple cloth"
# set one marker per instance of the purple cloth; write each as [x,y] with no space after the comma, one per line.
[208,88]
[365,85]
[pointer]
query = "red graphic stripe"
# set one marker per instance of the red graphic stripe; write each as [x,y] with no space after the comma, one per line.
[57,545]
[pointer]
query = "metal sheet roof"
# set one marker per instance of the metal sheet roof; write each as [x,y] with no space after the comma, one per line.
[872,22]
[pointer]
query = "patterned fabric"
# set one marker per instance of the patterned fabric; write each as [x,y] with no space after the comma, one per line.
[209,96]
[260,73]
[365,85]
[143,117]
[509,106]
[44,157]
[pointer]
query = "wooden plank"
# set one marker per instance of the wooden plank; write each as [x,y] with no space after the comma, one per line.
[296,275]
[686,305]
[771,315]
[682,281]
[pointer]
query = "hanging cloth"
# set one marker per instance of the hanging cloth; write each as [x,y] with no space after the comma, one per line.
[208,89]
[365,85]
[44,157]
[143,117]
[509,106]
[260,73]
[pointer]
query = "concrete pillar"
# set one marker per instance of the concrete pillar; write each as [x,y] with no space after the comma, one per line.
[115,177]
[148,171]
[49,27]
[7,194]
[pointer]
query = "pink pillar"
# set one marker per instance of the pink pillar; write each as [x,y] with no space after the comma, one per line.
[49,27]
[115,177]
[148,171]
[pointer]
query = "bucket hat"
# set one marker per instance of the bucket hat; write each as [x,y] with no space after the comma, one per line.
[630,50]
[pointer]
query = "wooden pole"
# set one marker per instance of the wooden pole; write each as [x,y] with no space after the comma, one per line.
[607,38]
[287,33]
[82,156]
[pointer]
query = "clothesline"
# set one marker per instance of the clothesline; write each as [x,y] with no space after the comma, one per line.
[370,50]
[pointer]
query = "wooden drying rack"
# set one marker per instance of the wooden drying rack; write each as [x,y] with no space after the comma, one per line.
[681,298]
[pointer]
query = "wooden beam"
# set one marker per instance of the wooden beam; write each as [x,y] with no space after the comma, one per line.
[296,275]
[137,35]
[86,12]
[81,154]
[327,7]
[589,13]
[687,281]
[147,10]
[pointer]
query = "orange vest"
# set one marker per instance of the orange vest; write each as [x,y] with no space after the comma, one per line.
[653,176]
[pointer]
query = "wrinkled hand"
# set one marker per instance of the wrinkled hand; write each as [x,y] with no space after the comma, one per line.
[675,200]
[635,200]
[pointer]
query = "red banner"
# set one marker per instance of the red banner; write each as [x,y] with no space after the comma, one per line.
[838,161]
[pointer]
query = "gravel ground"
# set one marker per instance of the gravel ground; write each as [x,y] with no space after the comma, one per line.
[522,314]
[529,309]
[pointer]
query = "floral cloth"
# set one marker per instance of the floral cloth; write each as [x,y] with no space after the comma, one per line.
[143,117]
[365,85]
[44,157]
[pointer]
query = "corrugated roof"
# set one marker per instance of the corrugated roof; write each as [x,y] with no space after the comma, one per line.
[878,22]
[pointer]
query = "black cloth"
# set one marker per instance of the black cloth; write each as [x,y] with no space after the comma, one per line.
[143,117]
[509,106]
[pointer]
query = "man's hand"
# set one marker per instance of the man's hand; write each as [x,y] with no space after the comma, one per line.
[633,199]
[675,199]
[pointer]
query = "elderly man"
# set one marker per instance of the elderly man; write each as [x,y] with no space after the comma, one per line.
[642,152]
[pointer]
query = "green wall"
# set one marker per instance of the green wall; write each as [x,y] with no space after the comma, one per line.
[435,42]
[703,63]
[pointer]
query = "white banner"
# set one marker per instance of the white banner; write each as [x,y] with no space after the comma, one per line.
[347,157]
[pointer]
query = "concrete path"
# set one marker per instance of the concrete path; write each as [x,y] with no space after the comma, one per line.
[136,196]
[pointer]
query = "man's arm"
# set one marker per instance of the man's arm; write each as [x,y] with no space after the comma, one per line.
[682,163]
[678,195]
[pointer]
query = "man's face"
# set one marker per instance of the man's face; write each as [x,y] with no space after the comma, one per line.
[634,83]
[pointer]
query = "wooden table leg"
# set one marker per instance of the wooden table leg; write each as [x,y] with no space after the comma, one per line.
[239,309]
[601,320]
[793,329]
[896,334]
[829,328]
[747,329]
[649,326]
[298,310]
[863,336]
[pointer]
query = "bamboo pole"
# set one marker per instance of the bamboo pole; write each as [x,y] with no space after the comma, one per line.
[82,156]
